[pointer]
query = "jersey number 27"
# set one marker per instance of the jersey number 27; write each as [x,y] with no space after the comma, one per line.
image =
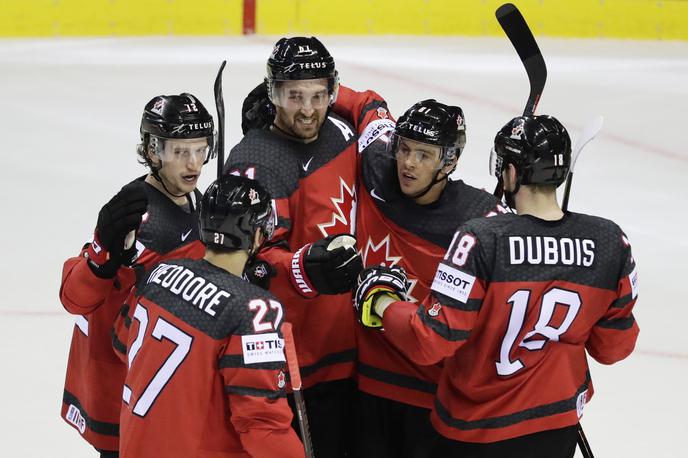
[162,329]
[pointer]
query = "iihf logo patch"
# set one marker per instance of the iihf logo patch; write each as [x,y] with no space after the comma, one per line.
[281,380]
[459,122]
[253,195]
[435,309]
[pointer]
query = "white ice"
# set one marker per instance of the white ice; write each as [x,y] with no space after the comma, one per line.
[70,112]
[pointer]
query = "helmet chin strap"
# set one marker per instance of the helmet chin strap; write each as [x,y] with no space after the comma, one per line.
[162,182]
[429,187]
[510,196]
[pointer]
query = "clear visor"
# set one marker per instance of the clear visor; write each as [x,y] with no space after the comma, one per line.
[495,164]
[184,150]
[301,95]
[419,154]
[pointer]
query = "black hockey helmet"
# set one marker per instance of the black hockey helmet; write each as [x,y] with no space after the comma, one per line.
[301,58]
[176,117]
[538,146]
[231,211]
[434,123]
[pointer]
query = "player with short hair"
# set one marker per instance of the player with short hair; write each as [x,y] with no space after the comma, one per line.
[307,160]
[515,304]
[151,218]
[205,350]
[407,214]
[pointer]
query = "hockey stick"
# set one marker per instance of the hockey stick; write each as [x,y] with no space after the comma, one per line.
[518,32]
[583,444]
[220,107]
[295,376]
[589,132]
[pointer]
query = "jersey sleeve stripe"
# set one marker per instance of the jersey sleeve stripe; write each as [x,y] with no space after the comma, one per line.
[124,313]
[617,323]
[237,361]
[374,105]
[117,344]
[254,392]
[622,301]
[98,427]
[544,410]
[329,360]
[393,378]
[471,305]
[444,331]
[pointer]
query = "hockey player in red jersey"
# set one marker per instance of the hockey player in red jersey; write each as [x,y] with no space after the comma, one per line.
[151,218]
[307,160]
[205,351]
[407,213]
[515,304]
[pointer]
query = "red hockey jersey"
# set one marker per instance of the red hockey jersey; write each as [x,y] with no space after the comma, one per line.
[514,305]
[206,368]
[393,230]
[313,186]
[95,375]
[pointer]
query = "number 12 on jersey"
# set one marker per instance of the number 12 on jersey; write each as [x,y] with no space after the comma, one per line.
[519,304]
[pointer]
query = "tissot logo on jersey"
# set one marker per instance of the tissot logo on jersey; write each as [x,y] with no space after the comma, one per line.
[184,283]
[566,251]
[262,348]
[453,283]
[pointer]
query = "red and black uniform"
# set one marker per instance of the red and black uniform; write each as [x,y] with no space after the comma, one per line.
[93,385]
[514,305]
[206,368]
[392,230]
[313,187]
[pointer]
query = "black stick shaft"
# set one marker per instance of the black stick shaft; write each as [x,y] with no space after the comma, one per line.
[583,443]
[220,107]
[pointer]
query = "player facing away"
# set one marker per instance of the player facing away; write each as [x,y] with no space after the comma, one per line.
[205,351]
[407,213]
[515,304]
[307,160]
[159,209]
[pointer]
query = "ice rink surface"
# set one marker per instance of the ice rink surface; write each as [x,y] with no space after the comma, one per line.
[70,114]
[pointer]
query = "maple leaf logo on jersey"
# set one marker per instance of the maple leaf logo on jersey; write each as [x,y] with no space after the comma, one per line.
[382,113]
[344,217]
[281,380]
[435,309]
[376,254]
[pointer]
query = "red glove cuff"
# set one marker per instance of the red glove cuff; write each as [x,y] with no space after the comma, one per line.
[96,252]
[298,276]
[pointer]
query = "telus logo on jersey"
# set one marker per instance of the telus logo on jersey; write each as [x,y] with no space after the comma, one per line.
[262,348]
[453,283]
[535,250]
[184,283]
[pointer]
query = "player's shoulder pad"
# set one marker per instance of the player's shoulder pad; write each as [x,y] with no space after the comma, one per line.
[600,226]
[490,227]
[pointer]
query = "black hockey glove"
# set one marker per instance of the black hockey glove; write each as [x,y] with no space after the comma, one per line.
[259,273]
[374,282]
[114,239]
[328,266]
[257,111]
